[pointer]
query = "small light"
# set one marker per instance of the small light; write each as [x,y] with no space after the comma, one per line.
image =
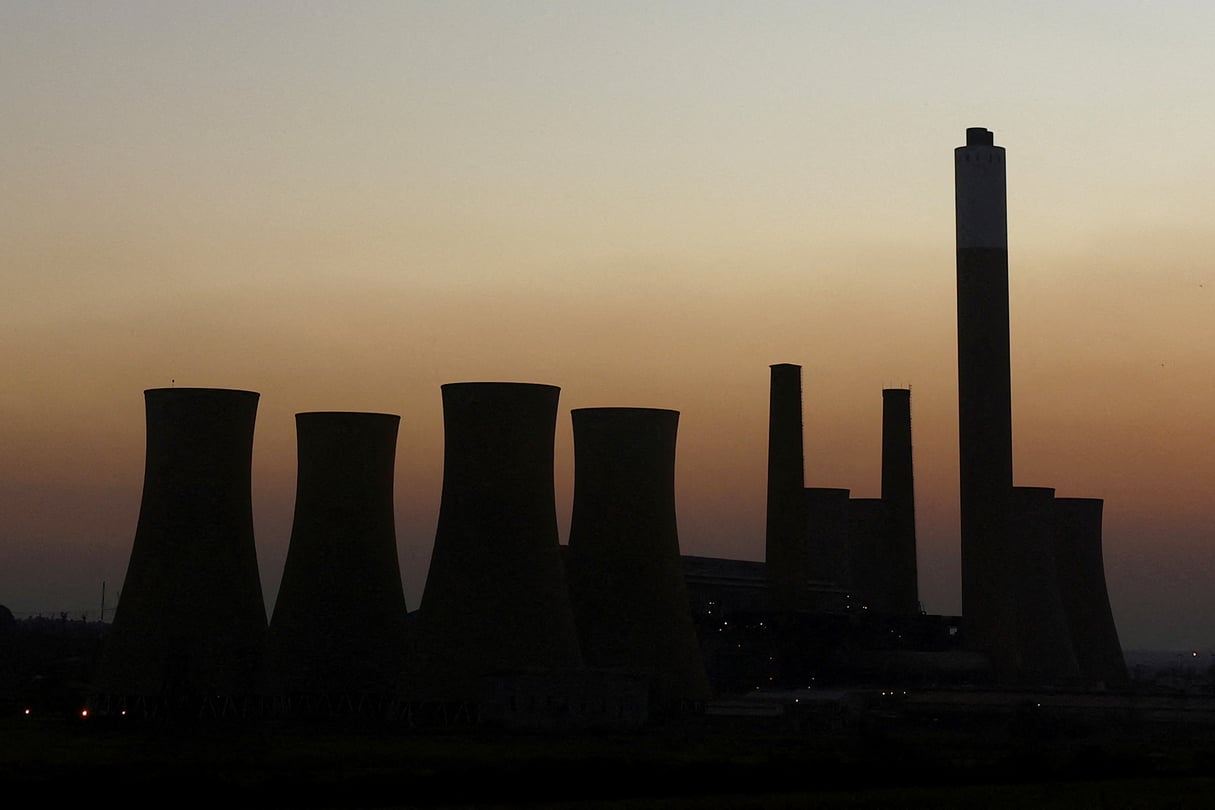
[27,711]
[84,712]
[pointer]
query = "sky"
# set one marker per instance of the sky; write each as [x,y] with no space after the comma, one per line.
[343,206]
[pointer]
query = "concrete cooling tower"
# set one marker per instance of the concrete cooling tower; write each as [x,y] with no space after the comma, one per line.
[625,573]
[984,390]
[191,620]
[338,627]
[1044,644]
[785,534]
[1082,586]
[495,600]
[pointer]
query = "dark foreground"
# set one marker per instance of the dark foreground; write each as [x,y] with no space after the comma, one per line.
[699,763]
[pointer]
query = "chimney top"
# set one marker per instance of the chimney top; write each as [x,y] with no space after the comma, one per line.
[979,136]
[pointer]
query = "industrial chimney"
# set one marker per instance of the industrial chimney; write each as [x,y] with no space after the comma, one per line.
[339,622]
[495,599]
[625,573]
[1082,586]
[984,390]
[898,493]
[191,619]
[785,539]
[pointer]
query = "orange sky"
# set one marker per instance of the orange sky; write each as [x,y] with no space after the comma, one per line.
[645,204]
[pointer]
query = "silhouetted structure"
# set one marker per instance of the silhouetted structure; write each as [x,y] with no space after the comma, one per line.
[868,530]
[191,619]
[496,599]
[1044,645]
[898,492]
[1082,586]
[338,627]
[984,392]
[625,575]
[785,538]
[827,535]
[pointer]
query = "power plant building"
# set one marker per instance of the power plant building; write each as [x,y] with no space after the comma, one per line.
[827,535]
[191,620]
[339,622]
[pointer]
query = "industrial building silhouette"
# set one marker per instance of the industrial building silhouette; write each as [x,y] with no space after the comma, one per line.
[496,599]
[626,580]
[618,623]
[1012,591]
[339,621]
[191,620]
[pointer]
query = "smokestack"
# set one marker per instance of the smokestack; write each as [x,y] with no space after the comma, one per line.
[785,540]
[984,388]
[898,492]
[827,535]
[191,620]
[339,619]
[1044,645]
[625,572]
[496,598]
[1082,586]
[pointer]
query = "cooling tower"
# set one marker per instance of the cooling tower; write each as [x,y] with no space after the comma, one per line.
[190,620]
[1082,586]
[827,535]
[495,599]
[984,390]
[898,493]
[868,527]
[785,538]
[339,620]
[624,567]
[1044,645]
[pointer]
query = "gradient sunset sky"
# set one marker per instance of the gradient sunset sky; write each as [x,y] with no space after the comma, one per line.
[343,206]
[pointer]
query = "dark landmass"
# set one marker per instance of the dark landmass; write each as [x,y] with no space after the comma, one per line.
[886,759]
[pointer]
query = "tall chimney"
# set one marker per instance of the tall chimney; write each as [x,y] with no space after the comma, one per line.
[898,492]
[191,620]
[785,539]
[984,391]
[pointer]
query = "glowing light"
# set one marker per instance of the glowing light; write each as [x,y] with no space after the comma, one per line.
[27,711]
[84,712]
